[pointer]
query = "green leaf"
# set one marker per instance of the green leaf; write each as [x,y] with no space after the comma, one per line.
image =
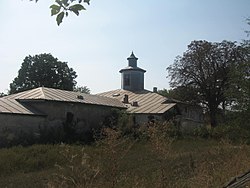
[65,2]
[55,9]
[59,18]
[59,2]
[76,8]
[87,1]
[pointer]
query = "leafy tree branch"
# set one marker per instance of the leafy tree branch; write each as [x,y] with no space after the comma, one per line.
[61,8]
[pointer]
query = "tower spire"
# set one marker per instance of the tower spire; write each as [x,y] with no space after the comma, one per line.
[132,60]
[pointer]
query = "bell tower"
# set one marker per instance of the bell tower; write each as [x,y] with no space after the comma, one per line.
[132,77]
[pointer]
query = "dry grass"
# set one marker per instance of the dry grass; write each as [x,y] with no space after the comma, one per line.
[116,161]
[160,162]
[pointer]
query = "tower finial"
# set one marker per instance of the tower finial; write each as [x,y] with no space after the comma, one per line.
[132,56]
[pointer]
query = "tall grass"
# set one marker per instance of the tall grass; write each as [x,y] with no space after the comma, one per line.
[158,161]
[155,160]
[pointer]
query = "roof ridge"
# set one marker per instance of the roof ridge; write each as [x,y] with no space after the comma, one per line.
[42,92]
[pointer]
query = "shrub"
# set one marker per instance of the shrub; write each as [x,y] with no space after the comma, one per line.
[202,132]
[9,138]
[77,171]
[234,133]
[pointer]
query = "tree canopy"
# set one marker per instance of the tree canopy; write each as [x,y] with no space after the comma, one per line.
[43,70]
[181,93]
[206,68]
[82,89]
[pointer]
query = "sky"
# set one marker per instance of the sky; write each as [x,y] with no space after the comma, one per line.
[96,44]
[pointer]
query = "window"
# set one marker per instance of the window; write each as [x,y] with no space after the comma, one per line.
[126,80]
[69,117]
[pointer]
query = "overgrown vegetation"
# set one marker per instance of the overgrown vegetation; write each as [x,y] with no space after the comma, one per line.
[119,161]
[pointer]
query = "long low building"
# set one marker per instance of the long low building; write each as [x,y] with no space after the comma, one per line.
[29,110]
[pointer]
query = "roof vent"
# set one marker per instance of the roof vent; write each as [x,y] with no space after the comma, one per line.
[135,103]
[116,95]
[80,97]
[125,99]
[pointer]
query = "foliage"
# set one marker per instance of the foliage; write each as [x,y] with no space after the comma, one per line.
[79,171]
[181,93]
[239,92]
[82,89]
[205,67]
[28,159]
[235,128]
[122,121]
[2,94]
[180,163]
[43,70]
[61,8]
[248,22]
[65,133]
[10,138]
[231,132]
[163,130]
[51,135]
[202,132]
[113,148]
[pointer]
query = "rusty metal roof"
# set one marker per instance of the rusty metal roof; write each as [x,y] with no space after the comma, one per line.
[145,102]
[16,103]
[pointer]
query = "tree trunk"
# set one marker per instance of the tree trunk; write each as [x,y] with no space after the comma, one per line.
[213,120]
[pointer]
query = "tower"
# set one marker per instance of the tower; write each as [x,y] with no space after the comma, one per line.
[132,77]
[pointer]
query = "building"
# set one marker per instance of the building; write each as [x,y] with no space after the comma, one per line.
[149,105]
[27,111]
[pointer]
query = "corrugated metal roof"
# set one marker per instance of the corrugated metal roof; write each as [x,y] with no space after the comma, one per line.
[148,102]
[14,107]
[43,93]
[15,103]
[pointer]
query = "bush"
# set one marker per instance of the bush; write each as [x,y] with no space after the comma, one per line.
[165,130]
[9,138]
[202,132]
[234,133]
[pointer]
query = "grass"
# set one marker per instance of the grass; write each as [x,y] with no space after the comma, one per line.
[185,163]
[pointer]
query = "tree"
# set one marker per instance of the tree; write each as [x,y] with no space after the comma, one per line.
[181,93]
[240,75]
[62,8]
[205,67]
[239,92]
[82,89]
[43,70]
[2,94]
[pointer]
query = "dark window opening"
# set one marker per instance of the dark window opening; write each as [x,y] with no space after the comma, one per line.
[69,117]
[186,110]
[171,114]
[126,80]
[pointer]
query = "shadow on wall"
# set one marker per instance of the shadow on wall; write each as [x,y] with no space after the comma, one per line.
[69,131]
[57,131]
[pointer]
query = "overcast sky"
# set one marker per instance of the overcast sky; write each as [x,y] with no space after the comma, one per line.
[97,43]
